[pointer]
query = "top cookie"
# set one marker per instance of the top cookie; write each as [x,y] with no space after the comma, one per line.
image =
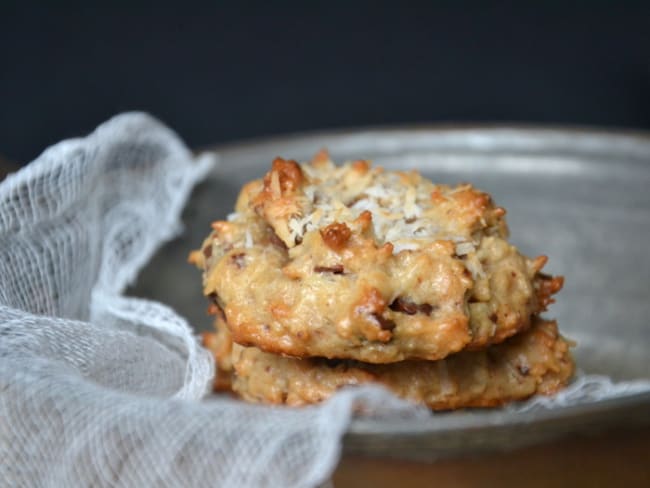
[355,262]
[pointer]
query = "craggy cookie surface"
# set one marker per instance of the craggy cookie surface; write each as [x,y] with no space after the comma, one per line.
[355,262]
[534,362]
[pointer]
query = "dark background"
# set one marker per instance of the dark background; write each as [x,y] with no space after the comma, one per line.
[220,71]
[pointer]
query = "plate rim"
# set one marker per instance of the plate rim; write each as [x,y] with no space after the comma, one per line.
[488,128]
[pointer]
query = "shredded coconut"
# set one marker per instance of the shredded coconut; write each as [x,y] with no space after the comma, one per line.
[465,248]
[338,194]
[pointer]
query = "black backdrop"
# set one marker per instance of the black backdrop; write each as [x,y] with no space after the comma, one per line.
[220,71]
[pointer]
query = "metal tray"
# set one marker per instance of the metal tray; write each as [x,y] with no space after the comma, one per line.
[581,197]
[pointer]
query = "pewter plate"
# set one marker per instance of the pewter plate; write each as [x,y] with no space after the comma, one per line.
[580,197]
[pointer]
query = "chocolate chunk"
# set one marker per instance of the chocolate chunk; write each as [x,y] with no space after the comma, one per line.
[408,307]
[207,251]
[384,323]
[336,269]
[403,305]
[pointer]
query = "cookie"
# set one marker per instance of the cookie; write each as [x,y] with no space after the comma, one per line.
[220,344]
[537,361]
[355,262]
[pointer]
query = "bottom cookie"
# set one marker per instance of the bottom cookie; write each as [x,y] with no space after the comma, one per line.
[537,361]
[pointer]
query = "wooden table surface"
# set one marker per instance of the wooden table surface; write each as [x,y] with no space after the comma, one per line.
[619,458]
[614,458]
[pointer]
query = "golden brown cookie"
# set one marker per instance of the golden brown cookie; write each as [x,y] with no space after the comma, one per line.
[220,344]
[359,263]
[537,361]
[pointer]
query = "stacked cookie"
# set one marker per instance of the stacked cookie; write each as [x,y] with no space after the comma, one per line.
[328,276]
